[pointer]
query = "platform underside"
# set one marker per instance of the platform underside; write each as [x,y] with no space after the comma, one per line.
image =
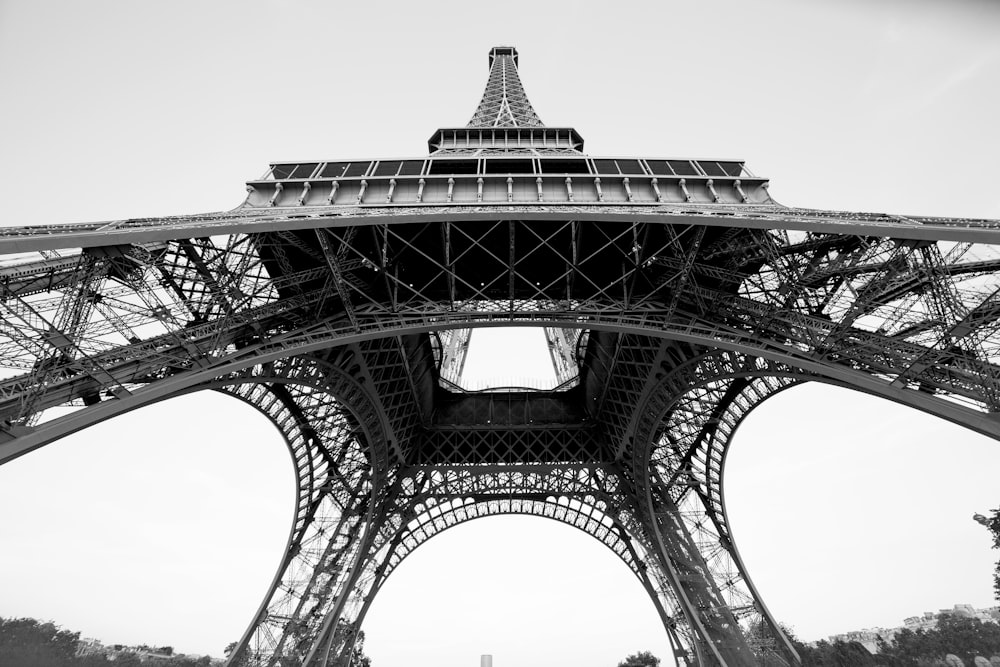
[327,320]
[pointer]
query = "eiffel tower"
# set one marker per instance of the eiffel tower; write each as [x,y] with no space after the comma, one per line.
[340,297]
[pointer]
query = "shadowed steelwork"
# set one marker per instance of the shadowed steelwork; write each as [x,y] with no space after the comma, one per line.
[338,299]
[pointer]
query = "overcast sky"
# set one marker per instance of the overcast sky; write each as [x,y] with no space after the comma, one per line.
[164,526]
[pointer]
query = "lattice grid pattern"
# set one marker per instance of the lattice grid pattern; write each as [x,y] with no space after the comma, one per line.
[333,321]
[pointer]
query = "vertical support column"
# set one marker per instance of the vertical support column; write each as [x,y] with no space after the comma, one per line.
[341,461]
[717,633]
[680,486]
[309,592]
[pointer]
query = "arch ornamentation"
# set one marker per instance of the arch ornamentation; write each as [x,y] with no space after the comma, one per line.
[427,501]
[309,299]
[338,447]
[700,405]
[591,519]
[706,320]
[965,404]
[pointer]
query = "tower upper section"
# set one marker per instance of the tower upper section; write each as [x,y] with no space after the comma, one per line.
[504,102]
[506,155]
[505,123]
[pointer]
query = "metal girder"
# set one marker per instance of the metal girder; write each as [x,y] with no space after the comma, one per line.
[695,295]
[250,221]
[688,422]
[341,457]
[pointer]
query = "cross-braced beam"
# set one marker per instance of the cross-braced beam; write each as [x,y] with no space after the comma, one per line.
[676,295]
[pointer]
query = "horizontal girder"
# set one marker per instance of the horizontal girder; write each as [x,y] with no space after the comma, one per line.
[322,323]
[934,340]
[247,221]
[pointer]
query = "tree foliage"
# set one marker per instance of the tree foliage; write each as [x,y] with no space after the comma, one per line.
[824,653]
[203,661]
[640,659]
[835,654]
[966,638]
[993,524]
[26,642]
[29,643]
[358,657]
[343,635]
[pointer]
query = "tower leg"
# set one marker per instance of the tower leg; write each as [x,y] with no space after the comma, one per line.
[339,456]
[716,631]
[693,417]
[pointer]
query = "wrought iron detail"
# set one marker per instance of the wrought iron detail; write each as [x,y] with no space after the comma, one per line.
[675,295]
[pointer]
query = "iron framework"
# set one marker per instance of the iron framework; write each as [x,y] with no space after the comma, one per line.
[677,296]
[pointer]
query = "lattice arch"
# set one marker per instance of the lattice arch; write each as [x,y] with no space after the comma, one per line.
[338,449]
[591,513]
[690,420]
[702,294]
[677,453]
[427,503]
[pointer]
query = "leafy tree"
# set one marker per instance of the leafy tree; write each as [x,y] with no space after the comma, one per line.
[824,653]
[641,659]
[230,649]
[28,643]
[963,637]
[127,660]
[760,635]
[358,657]
[343,637]
[178,661]
[25,642]
[835,654]
[992,524]
[95,660]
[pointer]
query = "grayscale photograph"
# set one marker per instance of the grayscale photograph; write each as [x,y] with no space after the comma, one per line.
[676,325]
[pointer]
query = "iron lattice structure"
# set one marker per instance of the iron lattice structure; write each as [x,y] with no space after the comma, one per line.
[676,295]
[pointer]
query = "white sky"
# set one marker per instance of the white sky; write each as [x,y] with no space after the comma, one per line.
[164,526]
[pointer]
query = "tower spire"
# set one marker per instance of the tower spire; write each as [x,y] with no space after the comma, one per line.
[504,102]
[504,122]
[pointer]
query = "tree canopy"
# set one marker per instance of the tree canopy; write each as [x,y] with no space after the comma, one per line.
[835,654]
[30,643]
[966,638]
[993,525]
[640,659]
[26,642]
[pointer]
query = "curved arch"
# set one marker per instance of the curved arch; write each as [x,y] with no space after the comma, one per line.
[164,506]
[326,336]
[569,515]
[594,514]
[691,416]
[844,463]
[683,460]
[599,514]
[338,449]
[262,389]
[766,359]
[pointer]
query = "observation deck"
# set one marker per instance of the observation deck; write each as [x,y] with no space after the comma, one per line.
[505,179]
